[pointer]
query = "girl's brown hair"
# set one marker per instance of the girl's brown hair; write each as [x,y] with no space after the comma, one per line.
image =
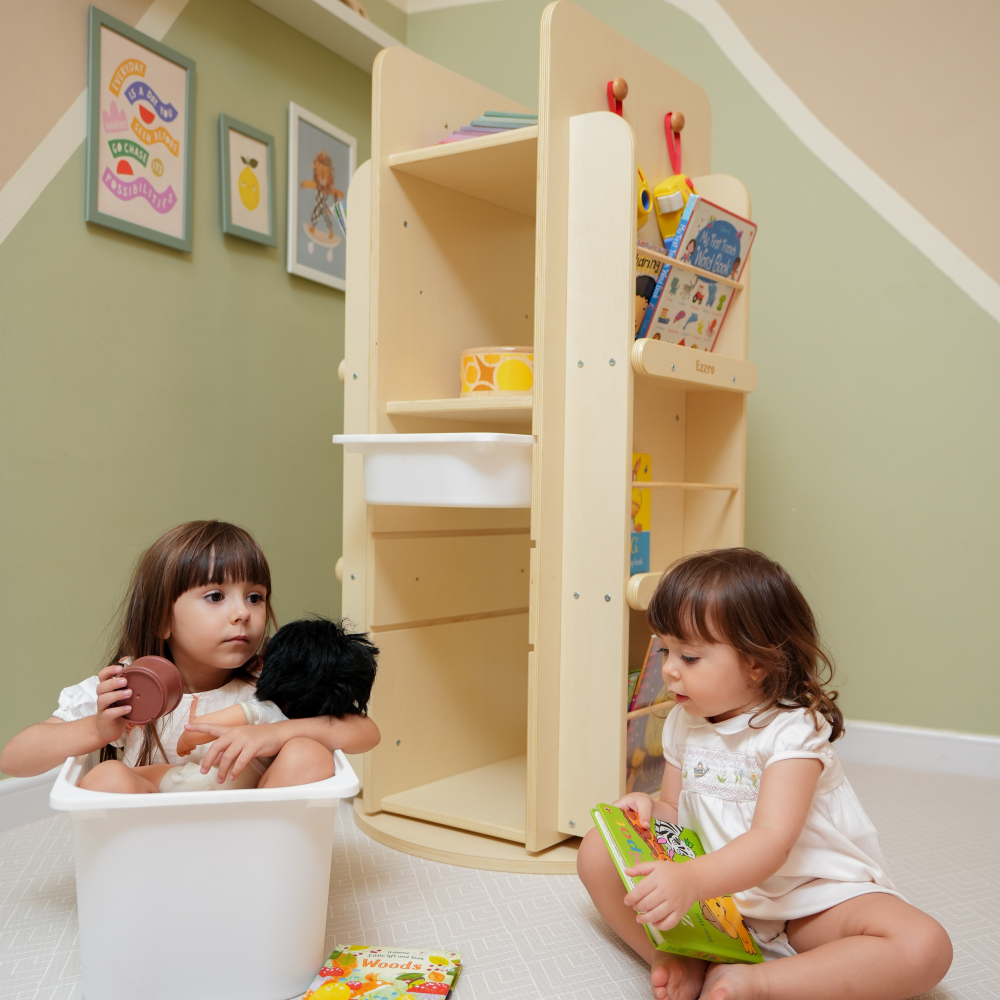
[190,555]
[740,597]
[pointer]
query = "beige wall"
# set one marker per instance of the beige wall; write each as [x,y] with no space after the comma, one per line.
[910,86]
[43,68]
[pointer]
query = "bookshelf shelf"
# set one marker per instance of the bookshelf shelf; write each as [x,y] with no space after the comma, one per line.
[489,800]
[693,371]
[501,728]
[479,408]
[499,168]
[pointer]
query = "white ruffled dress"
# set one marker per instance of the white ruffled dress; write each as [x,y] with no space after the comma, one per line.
[836,858]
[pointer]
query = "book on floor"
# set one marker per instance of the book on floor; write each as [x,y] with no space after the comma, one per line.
[712,929]
[378,973]
[691,308]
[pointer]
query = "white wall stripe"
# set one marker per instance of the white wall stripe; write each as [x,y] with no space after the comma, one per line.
[65,137]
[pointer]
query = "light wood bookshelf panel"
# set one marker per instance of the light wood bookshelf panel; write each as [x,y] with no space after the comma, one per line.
[499,168]
[448,699]
[422,578]
[512,413]
[488,800]
[692,371]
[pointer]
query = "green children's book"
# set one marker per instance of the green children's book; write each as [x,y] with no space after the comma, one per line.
[358,970]
[712,929]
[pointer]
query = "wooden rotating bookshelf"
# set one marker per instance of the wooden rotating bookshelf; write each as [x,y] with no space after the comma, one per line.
[506,634]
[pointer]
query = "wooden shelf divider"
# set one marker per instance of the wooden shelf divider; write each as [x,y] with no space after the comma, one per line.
[730,487]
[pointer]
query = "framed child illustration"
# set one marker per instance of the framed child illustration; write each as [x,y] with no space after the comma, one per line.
[246,157]
[140,134]
[321,161]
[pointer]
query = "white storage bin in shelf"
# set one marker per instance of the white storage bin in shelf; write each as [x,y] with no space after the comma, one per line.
[202,895]
[444,470]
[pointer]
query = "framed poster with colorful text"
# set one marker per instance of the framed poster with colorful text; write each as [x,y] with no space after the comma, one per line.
[140,134]
[320,167]
[246,156]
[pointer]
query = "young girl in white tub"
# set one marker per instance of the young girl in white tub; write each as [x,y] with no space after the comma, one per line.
[200,596]
[750,767]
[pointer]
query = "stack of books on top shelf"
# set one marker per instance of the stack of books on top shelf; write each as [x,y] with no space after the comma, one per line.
[491,122]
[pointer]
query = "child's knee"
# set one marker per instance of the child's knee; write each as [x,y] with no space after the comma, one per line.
[310,760]
[592,859]
[929,953]
[108,776]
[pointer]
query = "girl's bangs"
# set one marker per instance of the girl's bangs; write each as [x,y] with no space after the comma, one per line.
[687,606]
[228,555]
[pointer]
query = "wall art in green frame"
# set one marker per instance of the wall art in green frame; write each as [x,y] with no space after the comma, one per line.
[246,160]
[140,134]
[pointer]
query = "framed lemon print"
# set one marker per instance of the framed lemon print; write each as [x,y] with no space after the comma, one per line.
[140,134]
[321,161]
[247,162]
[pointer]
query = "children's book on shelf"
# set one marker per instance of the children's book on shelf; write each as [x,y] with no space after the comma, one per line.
[639,558]
[713,929]
[491,122]
[647,273]
[358,970]
[644,734]
[690,308]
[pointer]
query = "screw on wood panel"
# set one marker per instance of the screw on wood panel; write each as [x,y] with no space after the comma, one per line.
[734,378]
[576,595]
[355,375]
[673,367]
[399,743]
[352,576]
[572,822]
[579,364]
[607,597]
[405,224]
[612,362]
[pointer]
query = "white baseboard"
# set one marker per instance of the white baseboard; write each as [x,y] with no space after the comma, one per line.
[920,749]
[24,800]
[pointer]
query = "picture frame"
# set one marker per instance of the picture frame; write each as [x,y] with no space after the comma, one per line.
[317,232]
[139,174]
[246,162]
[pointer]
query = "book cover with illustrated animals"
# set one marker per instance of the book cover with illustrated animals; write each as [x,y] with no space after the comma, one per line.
[357,970]
[647,273]
[641,473]
[690,309]
[713,929]
[644,734]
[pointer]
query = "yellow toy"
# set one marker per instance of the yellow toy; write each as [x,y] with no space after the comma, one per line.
[644,203]
[671,195]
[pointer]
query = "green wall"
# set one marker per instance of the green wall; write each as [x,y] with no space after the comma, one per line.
[141,387]
[872,455]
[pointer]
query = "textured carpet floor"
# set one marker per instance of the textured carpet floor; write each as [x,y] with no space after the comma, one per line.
[536,935]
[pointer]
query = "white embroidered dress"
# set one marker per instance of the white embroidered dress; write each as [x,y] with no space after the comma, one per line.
[836,858]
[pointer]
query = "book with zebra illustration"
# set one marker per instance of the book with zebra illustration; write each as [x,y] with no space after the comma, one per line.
[713,929]
[691,308]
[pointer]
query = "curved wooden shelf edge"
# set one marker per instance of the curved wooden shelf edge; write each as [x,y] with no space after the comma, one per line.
[448,846]
[697,370]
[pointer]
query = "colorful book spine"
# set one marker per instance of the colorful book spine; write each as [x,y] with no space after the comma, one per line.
[713,929]
[641,506]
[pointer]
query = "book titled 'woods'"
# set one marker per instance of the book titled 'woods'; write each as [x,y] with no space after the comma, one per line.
[358,970]
[712,929]
[691,308]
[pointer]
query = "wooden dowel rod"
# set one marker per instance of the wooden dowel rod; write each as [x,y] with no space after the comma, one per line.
[729,487]
[685,266]
[453,619]
[648,710]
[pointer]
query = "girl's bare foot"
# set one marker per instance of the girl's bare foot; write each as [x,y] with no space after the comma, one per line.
[674,977]
[730,982]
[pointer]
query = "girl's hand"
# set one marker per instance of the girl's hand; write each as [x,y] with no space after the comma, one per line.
[666,892]
[110,718]
[236,746]
[638,802]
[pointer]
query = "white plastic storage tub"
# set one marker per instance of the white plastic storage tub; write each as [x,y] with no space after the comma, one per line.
[444,470]
[202,895]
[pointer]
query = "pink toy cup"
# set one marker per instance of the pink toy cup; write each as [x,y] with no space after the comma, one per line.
[157,689]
